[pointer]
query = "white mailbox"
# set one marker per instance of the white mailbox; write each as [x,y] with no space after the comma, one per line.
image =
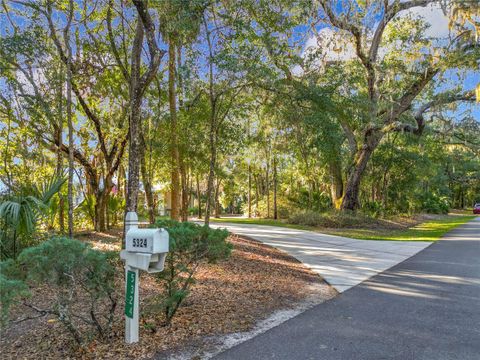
[153,241]
[145,249]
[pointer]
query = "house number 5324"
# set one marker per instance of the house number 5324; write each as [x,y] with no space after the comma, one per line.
[140,243]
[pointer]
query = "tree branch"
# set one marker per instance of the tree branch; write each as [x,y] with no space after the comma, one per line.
[111,38]
[404,103]
[83,104]
[155,53]
[419,113]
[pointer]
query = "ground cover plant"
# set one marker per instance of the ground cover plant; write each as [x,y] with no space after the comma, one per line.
[75,274]
[348,117]
[190,245]
[228,296]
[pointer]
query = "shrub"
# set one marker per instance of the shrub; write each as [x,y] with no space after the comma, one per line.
[284,207]
[434,204]
[308,218]
[311,200]
[80,278]
[190,244]
[115,208]
[337,219]
[85,212]
[373,208]
[347,219]
[21,212]
[11,289]
[193,211]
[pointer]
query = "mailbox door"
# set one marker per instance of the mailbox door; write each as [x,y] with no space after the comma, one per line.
[160,244]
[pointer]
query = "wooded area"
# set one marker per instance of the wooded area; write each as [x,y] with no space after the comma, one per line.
[259,108]
[307,112]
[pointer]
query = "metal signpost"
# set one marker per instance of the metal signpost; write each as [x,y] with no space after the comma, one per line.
[145,249]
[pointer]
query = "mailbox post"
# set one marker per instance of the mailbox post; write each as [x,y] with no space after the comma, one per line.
[145,249]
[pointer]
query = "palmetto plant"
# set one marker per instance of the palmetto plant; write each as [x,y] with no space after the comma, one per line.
[21,210]
[116,204]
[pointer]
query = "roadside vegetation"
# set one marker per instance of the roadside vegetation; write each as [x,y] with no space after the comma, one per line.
[226,297]
[349,118]
[396,228]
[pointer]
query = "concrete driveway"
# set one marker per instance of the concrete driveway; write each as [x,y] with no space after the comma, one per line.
[426,308]
[342,262]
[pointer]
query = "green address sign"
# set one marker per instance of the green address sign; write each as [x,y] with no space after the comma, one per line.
[130,293]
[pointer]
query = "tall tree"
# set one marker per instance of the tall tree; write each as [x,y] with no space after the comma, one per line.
[138,84]
[66,36]
[383,116]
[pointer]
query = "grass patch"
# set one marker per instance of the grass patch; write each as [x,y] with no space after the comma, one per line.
[427,231]
[430,230]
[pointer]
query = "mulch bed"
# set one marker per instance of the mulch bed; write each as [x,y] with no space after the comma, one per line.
[228,297]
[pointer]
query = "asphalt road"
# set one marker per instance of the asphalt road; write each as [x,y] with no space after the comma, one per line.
[427,307]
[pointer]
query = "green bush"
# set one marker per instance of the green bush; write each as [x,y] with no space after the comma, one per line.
[115,208]
[347,219]
[12,290]
[308,218]
[80,278]
[21,213]
[434,204]
[85,212]
[373,208]
[337,219]
[193,211]
[190,244]
[315,201]
[284,207]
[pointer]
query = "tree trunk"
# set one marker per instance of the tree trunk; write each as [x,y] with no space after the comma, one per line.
[184,208]
[100,209]
[122,181]
[350,199]
[211,172]
[147,185]
[135,153]
[138,84]
[275,213]
[101,204]
[217,204]
[385,191]
[107,212]
[372,192]
[256,195]
[310,193]
[190,187]
[249,191]
[175,156]
[199,199]
[61,200]
[268,188]
[336,184]
[69,121]
[212,131]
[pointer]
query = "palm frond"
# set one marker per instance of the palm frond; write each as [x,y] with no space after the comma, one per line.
[50,188]
[10,212]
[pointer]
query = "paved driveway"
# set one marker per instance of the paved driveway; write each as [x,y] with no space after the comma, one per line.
[342,262]
[427,307]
